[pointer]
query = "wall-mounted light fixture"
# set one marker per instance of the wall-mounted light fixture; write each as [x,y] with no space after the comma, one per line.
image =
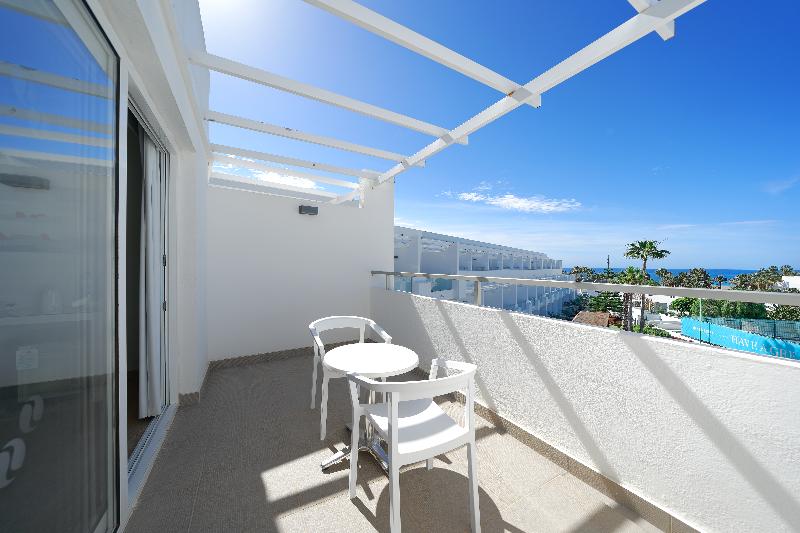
[309,210]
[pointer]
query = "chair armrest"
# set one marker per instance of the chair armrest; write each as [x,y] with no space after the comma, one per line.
[319,347]
[382,332]
[369,384]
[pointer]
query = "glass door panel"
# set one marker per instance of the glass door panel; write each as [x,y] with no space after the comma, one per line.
[58,172]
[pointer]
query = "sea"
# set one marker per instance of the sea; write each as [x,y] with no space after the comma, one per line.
[713,272]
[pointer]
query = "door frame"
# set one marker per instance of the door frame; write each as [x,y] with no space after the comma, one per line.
[144,452]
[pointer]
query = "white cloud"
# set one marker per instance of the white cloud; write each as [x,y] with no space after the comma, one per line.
[280,179]
[267,176]
[779,186]
[529,204]
[471,197]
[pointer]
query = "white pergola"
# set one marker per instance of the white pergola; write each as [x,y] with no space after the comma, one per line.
[651,16]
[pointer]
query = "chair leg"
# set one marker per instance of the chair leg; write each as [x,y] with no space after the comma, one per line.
[394,498]
[314,382]
[354,435]
[474,511]
[323,419]
[429,463]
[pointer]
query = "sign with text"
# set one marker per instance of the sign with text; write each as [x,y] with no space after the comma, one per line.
[737,339]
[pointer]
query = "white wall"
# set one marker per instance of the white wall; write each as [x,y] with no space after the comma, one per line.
[271,271]
[706,434]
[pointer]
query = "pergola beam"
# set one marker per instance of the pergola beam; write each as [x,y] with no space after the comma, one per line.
[255,165]
[345,197]
[56,120]
[407,38]
[264,156]
[262,77]
[667,31]
[54,80]
[289,133]
[231,180]
[51,157]
[49,135]
[647,21]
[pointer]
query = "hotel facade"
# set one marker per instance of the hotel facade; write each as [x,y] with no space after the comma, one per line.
[423,251]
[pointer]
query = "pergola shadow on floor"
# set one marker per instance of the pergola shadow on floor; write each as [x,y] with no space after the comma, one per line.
[246,458]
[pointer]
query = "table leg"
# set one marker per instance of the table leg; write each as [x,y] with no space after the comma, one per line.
[369,442]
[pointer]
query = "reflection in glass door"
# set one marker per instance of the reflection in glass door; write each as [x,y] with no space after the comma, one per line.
[58,172]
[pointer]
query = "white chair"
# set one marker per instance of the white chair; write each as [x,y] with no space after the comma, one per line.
[415,428]
[326,324]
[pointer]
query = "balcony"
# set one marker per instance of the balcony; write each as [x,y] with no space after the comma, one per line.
[256,232]
[247,456]
[581,428]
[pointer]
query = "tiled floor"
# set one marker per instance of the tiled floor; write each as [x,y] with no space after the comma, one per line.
[246,458]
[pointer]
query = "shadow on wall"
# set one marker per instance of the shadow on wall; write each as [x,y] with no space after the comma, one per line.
[558,359]
[768,487]
[567,409]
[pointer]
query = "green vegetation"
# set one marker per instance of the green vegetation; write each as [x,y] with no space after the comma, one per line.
[606,301]
[574,306]
[667,279]
[766,279]
[785,312]
[696,278]
[763,280]
[718,308]
[682,305]
[715,308]
[583,273]
[650,330]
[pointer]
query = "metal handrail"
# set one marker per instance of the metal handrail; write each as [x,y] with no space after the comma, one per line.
[776,298]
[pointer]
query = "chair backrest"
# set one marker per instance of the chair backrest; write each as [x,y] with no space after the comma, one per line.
[403,391]
[339,322]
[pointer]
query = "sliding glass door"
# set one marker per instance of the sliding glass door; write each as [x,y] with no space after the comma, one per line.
[58,175]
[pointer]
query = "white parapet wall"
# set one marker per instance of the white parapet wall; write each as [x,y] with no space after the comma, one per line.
[708,435]
[271,271]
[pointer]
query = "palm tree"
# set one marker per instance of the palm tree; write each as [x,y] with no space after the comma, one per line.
[719,280]
[645,250]
[629,276]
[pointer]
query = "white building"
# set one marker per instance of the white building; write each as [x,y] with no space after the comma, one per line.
[434,253]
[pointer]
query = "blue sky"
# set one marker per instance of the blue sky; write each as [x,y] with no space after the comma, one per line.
[695,141]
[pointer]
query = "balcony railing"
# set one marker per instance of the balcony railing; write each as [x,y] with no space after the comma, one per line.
[706,322]
[775,298]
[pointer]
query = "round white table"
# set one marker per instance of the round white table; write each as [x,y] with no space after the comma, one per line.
[371,360]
